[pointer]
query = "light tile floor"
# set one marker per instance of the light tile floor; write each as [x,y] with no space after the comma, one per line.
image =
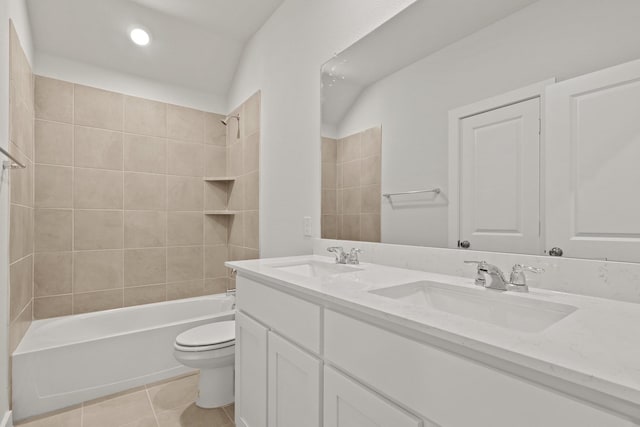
[165,404]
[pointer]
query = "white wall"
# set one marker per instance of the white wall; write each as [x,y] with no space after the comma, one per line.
[283,60]
[89,75]
[550,38]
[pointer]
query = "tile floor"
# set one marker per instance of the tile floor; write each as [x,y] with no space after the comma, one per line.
[165,404]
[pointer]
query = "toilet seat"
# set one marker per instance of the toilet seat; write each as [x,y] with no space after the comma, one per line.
[207,337]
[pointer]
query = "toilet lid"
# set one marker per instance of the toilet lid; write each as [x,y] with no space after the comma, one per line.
[207,335]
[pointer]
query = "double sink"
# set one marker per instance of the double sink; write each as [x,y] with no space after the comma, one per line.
[515,312]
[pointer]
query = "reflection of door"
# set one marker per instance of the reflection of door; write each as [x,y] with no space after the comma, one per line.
[500,179]
[592,161]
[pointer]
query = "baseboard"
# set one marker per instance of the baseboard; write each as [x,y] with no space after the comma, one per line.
[7,420]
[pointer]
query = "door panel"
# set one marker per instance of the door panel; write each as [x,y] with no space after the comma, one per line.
[500,179]
[593,147]
[294,385]
[251,372]
[349,404]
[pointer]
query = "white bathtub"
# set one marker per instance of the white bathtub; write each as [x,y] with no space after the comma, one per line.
[67,360]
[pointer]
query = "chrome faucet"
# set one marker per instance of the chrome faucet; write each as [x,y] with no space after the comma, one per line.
[340,254]
[352,258]
[343,257]
[518,280]
[489,276]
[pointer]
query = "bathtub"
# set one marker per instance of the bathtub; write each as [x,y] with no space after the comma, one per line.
[68,360]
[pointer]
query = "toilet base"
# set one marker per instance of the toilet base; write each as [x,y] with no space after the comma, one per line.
[215,388]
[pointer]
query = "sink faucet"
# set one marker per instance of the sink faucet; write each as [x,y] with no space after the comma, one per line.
[353,256]
[489,276]
[518,280]
[343,257]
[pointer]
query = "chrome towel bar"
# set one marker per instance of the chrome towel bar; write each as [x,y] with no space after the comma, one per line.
[13,164]
[433,190]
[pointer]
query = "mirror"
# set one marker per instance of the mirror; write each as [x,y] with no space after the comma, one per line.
[445,107]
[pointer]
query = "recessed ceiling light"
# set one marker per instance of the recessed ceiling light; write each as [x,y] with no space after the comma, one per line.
[139,36]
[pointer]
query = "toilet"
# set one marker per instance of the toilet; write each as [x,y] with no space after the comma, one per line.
[211,349]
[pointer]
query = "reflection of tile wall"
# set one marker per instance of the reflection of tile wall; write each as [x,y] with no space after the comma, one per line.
[351,198]
[21,188]
[243,162]
[119,200]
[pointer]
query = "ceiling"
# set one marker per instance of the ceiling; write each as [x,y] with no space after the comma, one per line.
[196,44]
[415,33]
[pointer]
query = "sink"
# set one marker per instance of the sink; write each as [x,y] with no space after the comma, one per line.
[316,269]
[483,305]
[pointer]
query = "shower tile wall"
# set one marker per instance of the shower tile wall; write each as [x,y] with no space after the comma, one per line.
[120,200]
[351,195]
[243,159]
[21,187]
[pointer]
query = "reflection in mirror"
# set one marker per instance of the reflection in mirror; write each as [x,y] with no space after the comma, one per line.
[351,186]
[522,112]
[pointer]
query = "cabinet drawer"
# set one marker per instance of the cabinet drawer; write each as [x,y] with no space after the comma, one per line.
[349,404]
[447,389]
[291,317]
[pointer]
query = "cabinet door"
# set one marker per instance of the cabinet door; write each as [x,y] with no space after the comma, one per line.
[251,372]
[294,385]
[592,173]
[500,179]
[349,404]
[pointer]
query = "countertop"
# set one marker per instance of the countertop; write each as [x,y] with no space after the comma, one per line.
[596,348]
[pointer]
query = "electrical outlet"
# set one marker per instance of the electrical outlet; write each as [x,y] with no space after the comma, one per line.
[307,226]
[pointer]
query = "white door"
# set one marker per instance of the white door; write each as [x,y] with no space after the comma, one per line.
[500,179]
[593,164]
[294,385]
[349,404]
[251,373]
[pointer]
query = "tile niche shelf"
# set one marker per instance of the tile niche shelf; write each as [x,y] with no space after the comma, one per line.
[223,180]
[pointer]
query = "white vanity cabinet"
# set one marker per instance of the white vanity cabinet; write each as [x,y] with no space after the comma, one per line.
[302,362]
[278,372]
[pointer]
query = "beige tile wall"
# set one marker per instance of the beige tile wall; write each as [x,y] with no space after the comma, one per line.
[120,201]
[243,159]
[21,188]
[351,177]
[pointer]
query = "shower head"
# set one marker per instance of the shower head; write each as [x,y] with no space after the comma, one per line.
[226,122]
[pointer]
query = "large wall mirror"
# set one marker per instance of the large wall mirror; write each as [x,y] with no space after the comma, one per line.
[499,125]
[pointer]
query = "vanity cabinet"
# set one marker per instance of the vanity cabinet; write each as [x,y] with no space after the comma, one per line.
[446,388]
[278,375]
[307,362]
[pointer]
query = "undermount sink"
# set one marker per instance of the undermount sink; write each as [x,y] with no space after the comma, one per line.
[482,305]
[316,269]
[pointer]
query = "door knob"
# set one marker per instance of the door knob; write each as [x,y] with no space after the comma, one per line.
[465,244]
[555,252]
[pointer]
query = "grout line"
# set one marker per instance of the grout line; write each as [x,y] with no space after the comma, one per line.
[153,410]
[73,213]
[123,205]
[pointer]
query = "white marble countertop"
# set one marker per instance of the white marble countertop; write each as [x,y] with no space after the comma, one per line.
[597,347]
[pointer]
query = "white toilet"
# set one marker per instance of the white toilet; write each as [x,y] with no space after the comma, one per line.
[211,349]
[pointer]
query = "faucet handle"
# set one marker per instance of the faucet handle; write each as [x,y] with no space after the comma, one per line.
[518,279]
[353,256]
[339,253]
